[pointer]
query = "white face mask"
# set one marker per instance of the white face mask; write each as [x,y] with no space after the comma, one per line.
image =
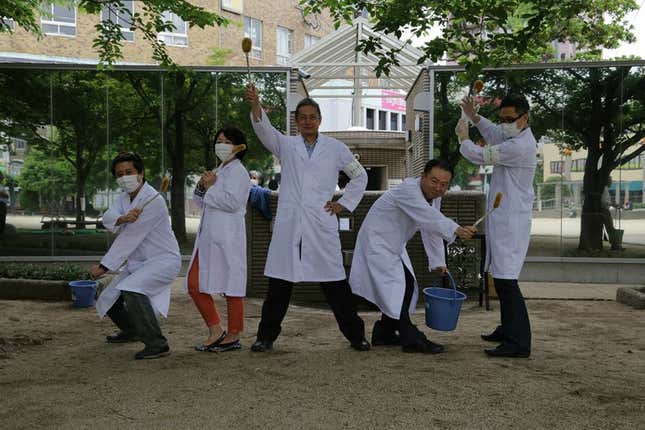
[223,151]
[510,130]
[254,181]
[128,183]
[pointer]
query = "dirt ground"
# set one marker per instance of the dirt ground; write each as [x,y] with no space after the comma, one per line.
[587,371]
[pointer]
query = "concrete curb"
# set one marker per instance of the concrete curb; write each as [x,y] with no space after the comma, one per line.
[631,296]
[34,289]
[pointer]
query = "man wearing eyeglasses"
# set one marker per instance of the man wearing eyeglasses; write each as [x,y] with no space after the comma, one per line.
[305,245]
[512,150]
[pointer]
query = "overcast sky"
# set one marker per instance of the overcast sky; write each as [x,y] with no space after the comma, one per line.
[637,19]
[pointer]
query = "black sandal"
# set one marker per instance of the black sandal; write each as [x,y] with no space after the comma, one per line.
[209,347]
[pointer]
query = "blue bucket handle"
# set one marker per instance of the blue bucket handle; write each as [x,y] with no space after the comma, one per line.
[453,284]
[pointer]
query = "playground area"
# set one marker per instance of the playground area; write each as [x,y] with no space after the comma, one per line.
[586,371]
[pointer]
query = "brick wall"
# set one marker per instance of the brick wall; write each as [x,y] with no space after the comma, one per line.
[272,13]
[464,257]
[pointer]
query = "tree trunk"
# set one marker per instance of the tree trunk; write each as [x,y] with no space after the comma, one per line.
[80,186]
[177,205]
[591,223]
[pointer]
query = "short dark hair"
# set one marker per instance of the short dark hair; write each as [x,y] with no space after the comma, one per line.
[517,101]
[308,102]
[123,157]
[440,163]
[236,136]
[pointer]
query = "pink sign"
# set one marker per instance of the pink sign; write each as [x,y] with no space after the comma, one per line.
[396,104]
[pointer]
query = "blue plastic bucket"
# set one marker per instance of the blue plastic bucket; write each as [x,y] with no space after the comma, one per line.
[83,293]
[443,306]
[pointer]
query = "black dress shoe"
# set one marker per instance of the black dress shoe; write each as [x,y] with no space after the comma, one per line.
[262,346]
[362,345]
[149,353]
[381,336]
[506,351]
[423,346]
[121,337]
[495,336]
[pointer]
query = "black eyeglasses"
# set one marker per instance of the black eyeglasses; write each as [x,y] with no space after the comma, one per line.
[509,119]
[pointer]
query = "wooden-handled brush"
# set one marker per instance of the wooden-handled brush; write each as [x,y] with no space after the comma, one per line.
[163,187]
[247,45]
[496,203]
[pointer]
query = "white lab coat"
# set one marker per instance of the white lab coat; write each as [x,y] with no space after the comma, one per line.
[508,228]
[221,238]
[377,273]
[148,245]
[307,184]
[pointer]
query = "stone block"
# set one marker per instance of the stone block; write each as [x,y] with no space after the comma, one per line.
[631,296]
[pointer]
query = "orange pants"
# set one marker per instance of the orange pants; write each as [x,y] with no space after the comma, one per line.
[206,305]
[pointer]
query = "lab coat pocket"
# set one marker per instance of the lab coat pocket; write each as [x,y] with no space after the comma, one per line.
[223,228]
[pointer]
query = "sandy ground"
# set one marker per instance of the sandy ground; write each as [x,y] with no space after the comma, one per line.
[587,371]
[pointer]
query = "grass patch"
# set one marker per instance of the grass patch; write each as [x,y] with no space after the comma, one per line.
[51,272]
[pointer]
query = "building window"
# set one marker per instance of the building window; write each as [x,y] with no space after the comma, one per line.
[556,166]
[403,127]
[236,6]
[578,165]
[310,40]
[18,144]
[285,45]
[121,17]
[58,20]
[394,121]
[176,37]
[369,119]
[253,29]
[8,24]
[382,120]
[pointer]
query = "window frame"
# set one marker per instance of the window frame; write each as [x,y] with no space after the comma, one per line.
[257,48]
[124,30]
[161,37]
[48,7]
[281,58]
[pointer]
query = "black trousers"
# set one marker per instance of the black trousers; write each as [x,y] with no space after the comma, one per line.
[516,328]
[339,297]
[408,332]
[133,314]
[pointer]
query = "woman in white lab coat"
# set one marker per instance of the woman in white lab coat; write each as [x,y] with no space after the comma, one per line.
[512,151]
[218,264]
[305,245]
[381,268]
[149,249]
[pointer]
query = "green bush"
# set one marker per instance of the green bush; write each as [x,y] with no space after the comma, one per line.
[53,272]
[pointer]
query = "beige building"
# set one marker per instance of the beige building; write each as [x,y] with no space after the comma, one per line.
[278,28]
[627,181]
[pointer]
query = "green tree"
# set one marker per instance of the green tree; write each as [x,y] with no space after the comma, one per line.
[486,33]
[148,21]
[45,182]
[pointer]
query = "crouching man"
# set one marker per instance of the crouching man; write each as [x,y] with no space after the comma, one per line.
[149,249]
[381,268]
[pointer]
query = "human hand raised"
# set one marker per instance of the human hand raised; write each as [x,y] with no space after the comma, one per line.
[470,109]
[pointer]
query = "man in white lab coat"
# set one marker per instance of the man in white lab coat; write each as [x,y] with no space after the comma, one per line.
[381,268]
[149,249]
[512,150]
[305,246]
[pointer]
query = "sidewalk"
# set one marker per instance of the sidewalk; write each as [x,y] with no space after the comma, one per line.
[570,291]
